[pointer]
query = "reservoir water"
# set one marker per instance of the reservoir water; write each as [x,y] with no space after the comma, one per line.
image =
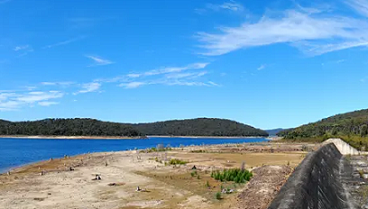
[17,152]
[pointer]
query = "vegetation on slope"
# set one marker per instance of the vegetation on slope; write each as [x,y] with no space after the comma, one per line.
[199,127]
[91,127]
[274,132]
[352,127]
[68,127]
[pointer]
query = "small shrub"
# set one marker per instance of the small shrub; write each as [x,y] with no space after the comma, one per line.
[208,184]
[194,173]
[177,162]
[237,175]
[218,196]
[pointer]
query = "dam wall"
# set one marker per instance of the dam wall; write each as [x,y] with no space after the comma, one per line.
[316,182]
[343,147]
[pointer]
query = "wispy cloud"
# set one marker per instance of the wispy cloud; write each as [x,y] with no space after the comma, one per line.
[99,61]
[10,101]
[46,104]
[313,33]
[231,5]
[24,47]
[167,70]
[361,6]
[132,85]
[64,42]
[181,76]
[261,67]
[62,83]
[89,87]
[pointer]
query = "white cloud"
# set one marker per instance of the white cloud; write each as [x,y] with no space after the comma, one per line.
[46,104]
[64,42]
[24,47]
[230,5]
[89,87]
[314,34]
[166,70]
[99,60]
[15,101]
[133,75]
[132,85]
[361,6]
[261,67]
[38,96]
[63,83]
[185,75]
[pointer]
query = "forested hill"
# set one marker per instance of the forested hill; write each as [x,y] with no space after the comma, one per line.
[350,126]
[91,127]
[274,132]
[67,127]
[199,127]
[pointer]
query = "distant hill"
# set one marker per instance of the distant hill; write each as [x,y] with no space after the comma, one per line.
[274,132]
[351,126]
[199,127]
[67,127]
[91,127]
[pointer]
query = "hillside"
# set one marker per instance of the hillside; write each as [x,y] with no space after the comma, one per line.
[67,127]
[274,132]
[351,126]
[199,127]
[91,127]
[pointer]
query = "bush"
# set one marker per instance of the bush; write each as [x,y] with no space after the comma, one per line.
[194,173]
[237,175]
[218,196]
[177,162]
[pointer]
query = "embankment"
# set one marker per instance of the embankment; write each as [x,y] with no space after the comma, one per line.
[316,183]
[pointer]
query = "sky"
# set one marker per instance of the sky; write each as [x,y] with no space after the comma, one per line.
[269,63]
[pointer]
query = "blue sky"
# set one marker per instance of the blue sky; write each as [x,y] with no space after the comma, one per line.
[270,64]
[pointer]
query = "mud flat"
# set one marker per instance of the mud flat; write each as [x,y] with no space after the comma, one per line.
[69,182]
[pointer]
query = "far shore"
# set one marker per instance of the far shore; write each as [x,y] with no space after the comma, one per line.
[70,137]
[125,137]
[215,137]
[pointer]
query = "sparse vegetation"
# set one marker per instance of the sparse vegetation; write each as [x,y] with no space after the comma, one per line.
[236,175]
[177,162]
[194,173]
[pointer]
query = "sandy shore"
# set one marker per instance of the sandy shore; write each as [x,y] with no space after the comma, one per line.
[69,137]
[68,182]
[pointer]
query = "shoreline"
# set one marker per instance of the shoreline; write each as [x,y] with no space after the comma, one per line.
[32,164]
[126,137]
[71,137]
[212,137]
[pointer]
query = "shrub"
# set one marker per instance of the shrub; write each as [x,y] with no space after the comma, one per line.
[194,173]
[177,162]
[208,184]
[237,175]
[218,196]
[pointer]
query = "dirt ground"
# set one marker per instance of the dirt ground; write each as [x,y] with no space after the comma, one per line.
[68,183]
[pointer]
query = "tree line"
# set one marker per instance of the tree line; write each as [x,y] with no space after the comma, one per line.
[92,127]
[352,127]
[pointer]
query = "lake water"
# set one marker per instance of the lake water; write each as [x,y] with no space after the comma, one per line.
[17,152]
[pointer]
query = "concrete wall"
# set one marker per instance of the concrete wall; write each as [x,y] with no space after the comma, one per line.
[343,147]
[316,182]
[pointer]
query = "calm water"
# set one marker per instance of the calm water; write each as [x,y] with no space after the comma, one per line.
[17,152]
